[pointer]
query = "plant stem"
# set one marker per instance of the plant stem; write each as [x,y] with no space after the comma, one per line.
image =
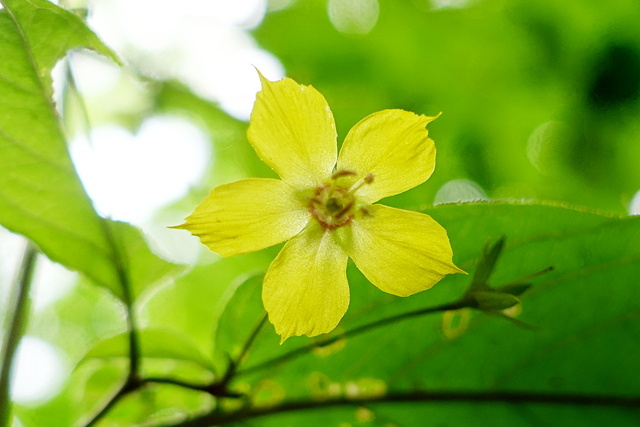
[127,296]
[472,397]
[19,308]
[133,381]
[234,364]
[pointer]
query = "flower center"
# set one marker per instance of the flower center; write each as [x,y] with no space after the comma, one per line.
[334,205]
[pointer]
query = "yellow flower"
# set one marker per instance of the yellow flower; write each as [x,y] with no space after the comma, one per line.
[324,205]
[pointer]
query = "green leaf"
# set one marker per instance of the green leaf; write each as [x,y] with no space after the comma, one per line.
[585,312]
[145,270]
[40,194]
[155,344]
[243,313]
[158,405]
[194,302]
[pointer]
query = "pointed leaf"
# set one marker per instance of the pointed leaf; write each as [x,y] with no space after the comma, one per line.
[40,194]
[154,344]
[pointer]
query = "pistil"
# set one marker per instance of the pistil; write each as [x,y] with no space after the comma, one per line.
[334,205]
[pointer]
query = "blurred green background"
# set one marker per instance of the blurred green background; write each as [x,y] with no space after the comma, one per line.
[539,98]
[540,103]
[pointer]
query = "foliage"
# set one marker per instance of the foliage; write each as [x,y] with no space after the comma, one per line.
[539,102]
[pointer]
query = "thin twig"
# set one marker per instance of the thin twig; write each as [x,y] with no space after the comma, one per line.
[72,85]
[107,407]
[218,388]
[234,364]
[471,397]
[19,308]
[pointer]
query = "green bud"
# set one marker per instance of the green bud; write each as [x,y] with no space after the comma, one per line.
[487,262]
[493,301]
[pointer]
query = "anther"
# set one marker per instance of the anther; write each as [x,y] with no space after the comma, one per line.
[368,178]
[365,212]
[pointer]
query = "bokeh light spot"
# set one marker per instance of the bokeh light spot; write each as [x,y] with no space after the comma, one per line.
[450,4]
[545,145]
[459,190]
[354,16]
[275,5]
[38,371]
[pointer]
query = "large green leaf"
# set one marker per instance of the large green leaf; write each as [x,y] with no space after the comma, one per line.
[40,194]
[585,314]
[144,269]
[158,345]
[236,328]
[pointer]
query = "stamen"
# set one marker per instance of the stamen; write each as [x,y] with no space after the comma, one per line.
[365,212]
[368,179]
[344,210]
[342,173]
[334,205]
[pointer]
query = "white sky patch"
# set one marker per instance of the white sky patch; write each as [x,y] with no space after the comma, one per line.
[634,206]
[239,13]
[202,43]
[459,190]
[241,65]
[95,75]
[11,248]
[51,282]
[130,176]
[38,371]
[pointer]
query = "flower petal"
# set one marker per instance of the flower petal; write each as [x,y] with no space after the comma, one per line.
[392,146]
[401,252]
[293,131]
[247,215]
[305,290]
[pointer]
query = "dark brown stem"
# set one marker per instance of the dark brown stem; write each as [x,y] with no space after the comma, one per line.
[427,397]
